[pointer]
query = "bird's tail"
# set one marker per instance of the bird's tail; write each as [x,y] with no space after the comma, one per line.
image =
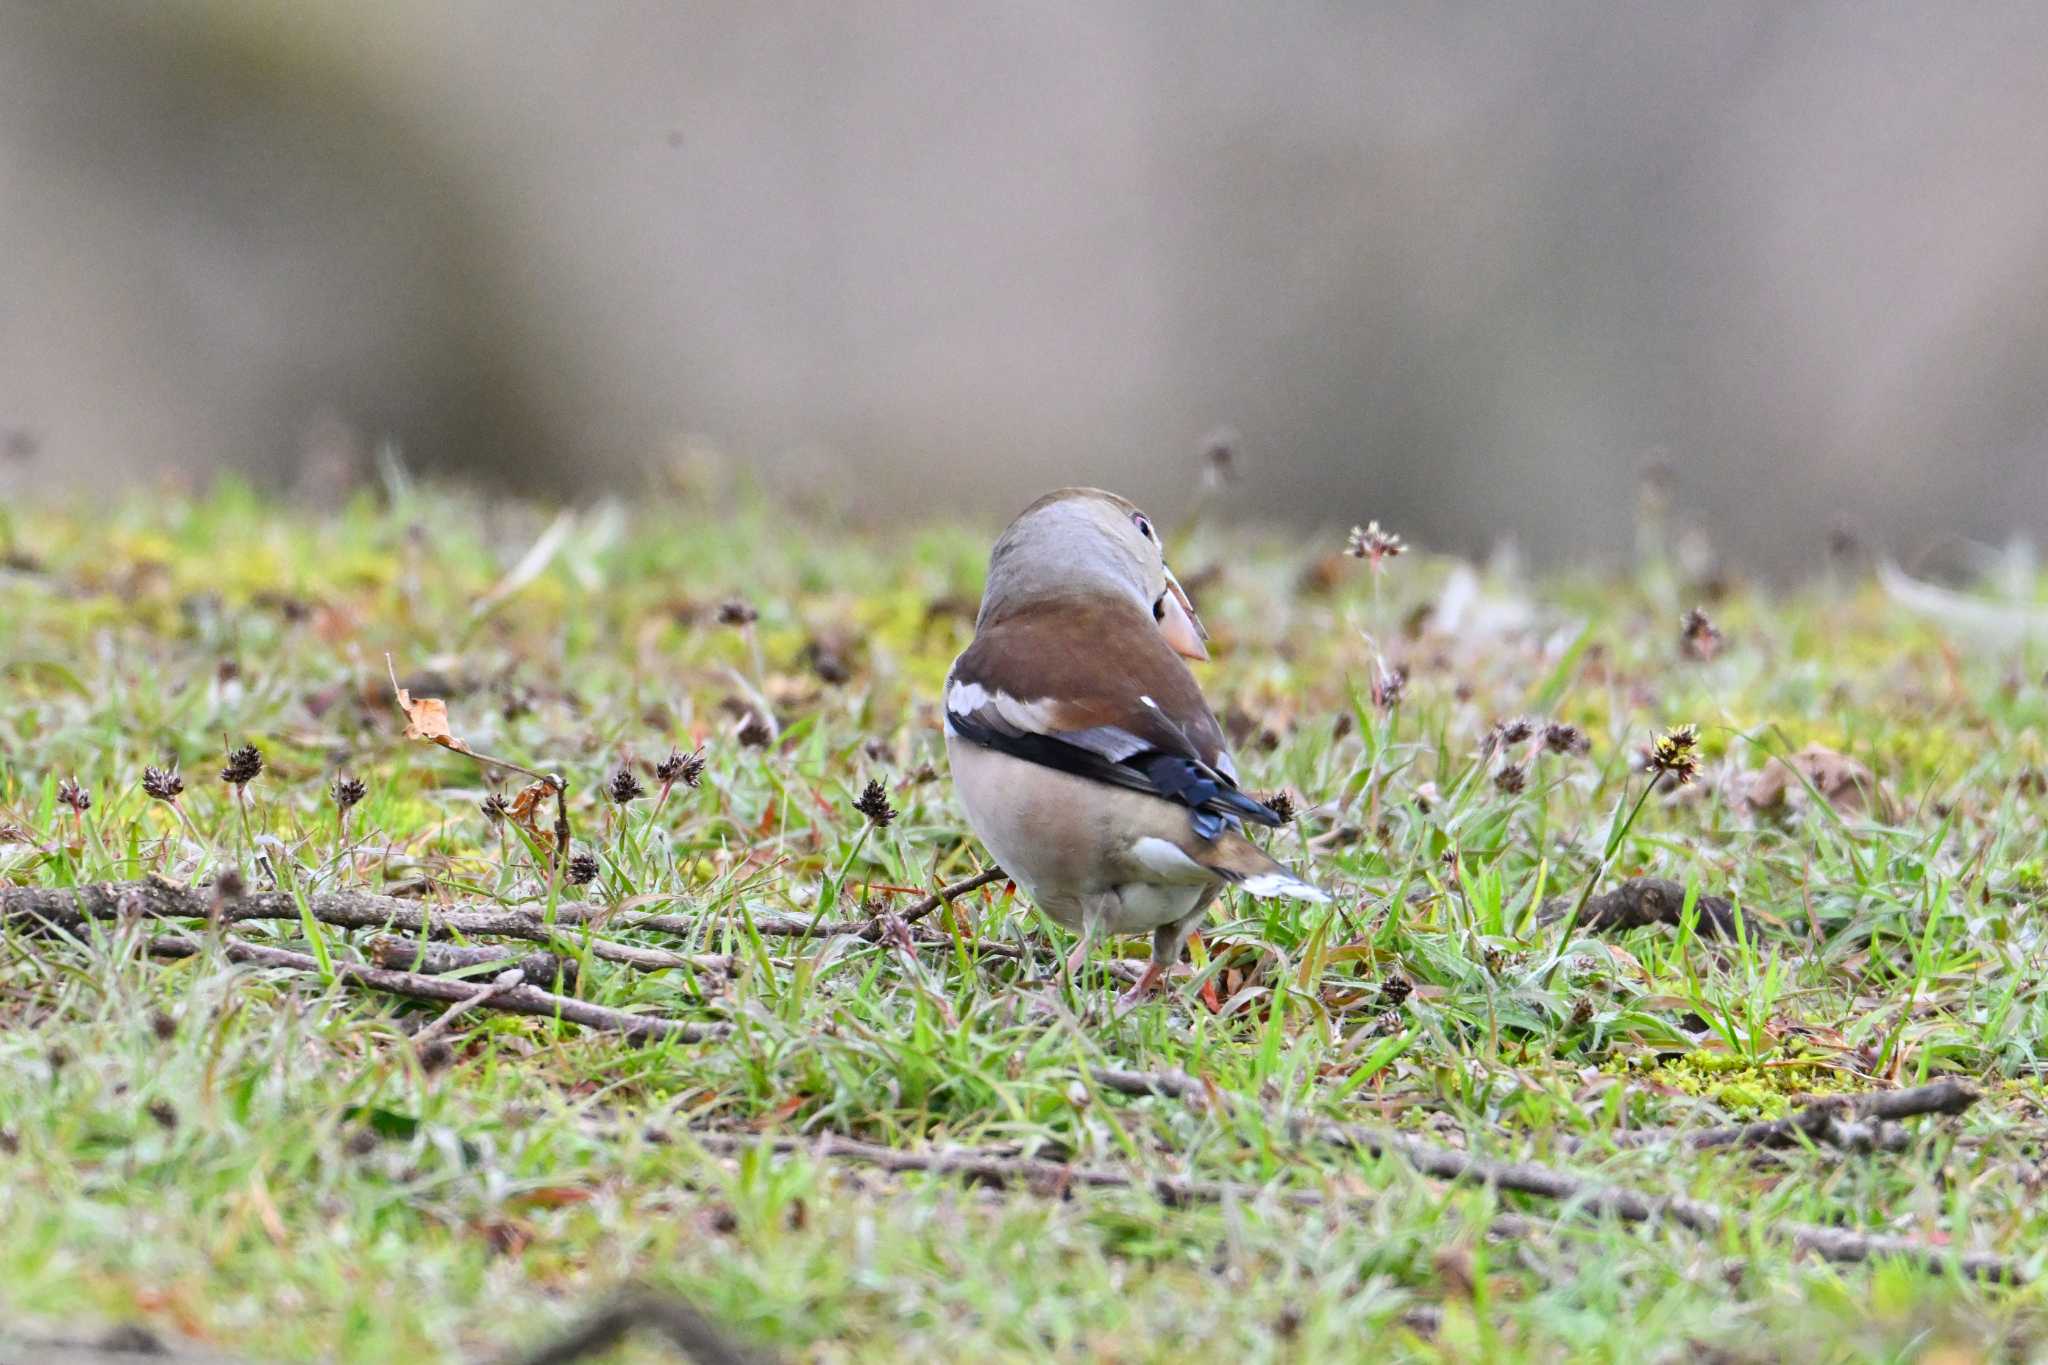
[1240,862]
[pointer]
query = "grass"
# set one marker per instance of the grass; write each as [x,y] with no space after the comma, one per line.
[264,1161]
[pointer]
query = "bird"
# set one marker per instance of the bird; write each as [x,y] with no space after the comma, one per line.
[1082,750]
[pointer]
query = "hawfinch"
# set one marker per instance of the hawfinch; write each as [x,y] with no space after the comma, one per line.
[1081,747]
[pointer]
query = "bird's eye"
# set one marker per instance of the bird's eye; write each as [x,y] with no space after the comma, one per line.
[1143,523]
[1159,608]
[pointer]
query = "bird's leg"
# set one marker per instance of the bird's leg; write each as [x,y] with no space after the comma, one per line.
[1146,984]
[1094,911]
[1167,941]
[1079,957]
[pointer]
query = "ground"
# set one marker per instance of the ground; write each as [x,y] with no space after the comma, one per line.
[267,1161]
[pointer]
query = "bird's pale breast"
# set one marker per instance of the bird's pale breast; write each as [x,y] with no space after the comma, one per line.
[1065,838]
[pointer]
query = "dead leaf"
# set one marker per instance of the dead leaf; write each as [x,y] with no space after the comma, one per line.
[425,718]
[1844,783]
[524,811]
[552,1197]
[783,1110]
[505,1236]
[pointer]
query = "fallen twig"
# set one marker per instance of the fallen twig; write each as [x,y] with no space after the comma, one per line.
[1852,1121]
[912,914]
[1837,1244]
[506,981]
[520,999]
[540,966]
[1829,1243]
[68,907]
[998,1166]
[1444,1163]
[681,1324]
[127,1344]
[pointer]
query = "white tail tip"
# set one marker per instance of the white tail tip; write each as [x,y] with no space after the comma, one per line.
[1282,885]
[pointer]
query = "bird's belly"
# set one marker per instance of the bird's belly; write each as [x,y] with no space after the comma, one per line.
[1030,818]
[1066,839]
[1144,906]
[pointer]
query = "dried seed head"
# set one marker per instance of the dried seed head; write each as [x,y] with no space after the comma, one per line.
[347,791]
[1387,686]
[1515,730]
[737,612]
[1698,637]
[165,1114]
[687,769]
[755,732]
[625,787]
[242,766]
[74,796]
[163,1026]
[1560,738]
[873,802]
[229,887]
[163,784]
[1511,779]
[826,656]
[1674,756]
[582,868]
[1373,545]
[494,807]
[1282,805]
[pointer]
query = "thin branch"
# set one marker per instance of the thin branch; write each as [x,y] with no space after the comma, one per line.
[505,982]
[686,1329]
[1837,1244]
[127,1344]
[1709,1220]
[1005,1167]
[1524,1177]
[522,999]
[1853,1121]
[67,907]
[412,954]
[938,898]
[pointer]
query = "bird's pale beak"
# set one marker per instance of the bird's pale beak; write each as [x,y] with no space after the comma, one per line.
[1178,622]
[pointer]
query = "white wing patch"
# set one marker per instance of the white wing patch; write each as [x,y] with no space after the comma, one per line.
[1163,858]
[990,704]
[1282,885]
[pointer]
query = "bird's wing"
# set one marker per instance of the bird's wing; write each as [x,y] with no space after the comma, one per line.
[1087,685]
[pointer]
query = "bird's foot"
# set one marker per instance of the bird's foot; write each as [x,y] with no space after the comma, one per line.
[1146,986]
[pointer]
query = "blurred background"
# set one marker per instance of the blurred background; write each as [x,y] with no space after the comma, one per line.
[1466,269]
